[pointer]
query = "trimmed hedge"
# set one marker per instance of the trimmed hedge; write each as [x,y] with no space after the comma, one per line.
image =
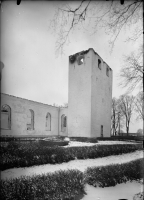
[122,138]
[50,138]
[65,185]
[53,143]
[9,138]
[84,139]
[25,155]
[111,175]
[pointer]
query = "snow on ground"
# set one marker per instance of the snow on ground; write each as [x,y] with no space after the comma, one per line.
[75,143]
[120,191]
[74,164]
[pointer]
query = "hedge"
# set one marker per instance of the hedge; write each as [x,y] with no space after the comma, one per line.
[62,185]
[32,138]
[53,143]
[122,138]
[19,138]
[111,175]
[84,139]
[18,155]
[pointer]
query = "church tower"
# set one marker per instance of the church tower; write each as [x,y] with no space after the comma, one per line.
[90,95]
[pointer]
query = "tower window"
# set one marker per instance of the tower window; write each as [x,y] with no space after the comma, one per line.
[101,130]
[99,63]
[107,71]
[80,60]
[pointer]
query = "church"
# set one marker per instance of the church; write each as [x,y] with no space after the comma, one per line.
[89,104]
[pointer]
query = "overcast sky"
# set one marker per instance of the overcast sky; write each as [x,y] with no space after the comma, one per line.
[32,69]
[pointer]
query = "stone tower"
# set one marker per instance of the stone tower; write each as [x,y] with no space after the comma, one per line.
[90,95]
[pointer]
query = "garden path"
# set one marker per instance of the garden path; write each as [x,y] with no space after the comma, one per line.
[74,164]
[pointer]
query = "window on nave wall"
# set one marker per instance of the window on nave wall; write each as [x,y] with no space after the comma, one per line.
[5,117]
[48,122]
[30,120]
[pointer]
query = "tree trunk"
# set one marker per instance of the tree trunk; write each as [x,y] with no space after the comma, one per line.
[127,128]
[127,131]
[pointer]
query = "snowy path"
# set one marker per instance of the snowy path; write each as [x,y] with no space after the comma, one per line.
[74,164]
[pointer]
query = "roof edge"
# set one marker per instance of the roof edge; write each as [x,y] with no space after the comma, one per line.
[29,100]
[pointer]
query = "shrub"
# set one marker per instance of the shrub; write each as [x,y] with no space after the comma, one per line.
[61,185]
[111,175]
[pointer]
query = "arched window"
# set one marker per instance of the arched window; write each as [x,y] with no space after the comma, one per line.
[63,122]
[5,117]
[48,122]
[30,123]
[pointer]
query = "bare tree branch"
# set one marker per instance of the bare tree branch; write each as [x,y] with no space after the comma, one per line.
[131,74]
[109,15]
[139,105]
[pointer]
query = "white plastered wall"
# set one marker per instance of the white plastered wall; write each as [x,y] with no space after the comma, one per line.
[79,98]
[101,98]
[19,117]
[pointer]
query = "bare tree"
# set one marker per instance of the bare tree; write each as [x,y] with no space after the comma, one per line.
[114,120]
[116,117]
[131,74]
[139,106]
[127,106]
[110,15]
